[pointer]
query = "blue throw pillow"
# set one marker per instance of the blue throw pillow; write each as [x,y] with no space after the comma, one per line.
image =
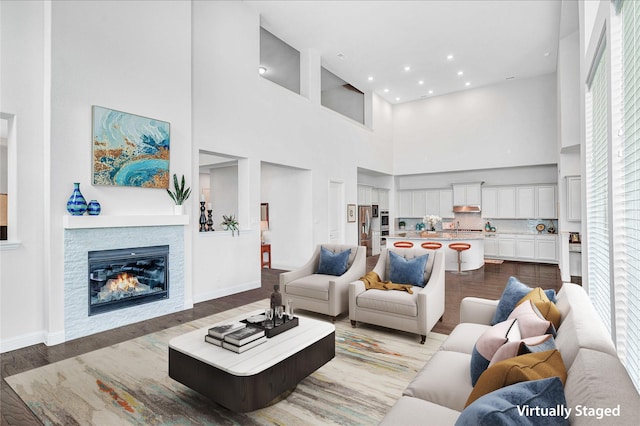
[407,271]
[536,402]
[333,263]
[513,292]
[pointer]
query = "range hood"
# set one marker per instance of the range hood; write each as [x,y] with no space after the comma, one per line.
[466,209]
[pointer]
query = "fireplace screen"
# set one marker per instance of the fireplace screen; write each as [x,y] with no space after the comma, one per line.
[126,277]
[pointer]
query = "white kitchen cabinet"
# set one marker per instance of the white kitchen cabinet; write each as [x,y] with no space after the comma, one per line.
[467,194]
[490,204]
[419,203]
[547,247]
[574,199]
[525,202]
[364,195]
[433,202]
[405,203]
[546,202]
[383,199]
[507,246]
[375,196]
[525,247]
[446,204]
[490,243]
[506,203]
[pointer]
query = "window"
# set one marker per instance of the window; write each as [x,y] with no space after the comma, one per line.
[597,184]
[279,62]
[341,96]
[628,289]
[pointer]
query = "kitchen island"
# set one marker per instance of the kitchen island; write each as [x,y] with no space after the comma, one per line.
[471,259]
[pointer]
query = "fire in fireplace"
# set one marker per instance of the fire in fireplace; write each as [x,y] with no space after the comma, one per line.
[126,277]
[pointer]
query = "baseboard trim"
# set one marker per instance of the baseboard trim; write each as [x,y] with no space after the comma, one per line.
[20,342]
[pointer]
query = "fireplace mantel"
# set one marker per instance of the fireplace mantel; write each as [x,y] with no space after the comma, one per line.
[105,221]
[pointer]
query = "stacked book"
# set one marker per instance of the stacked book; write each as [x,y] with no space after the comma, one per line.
[237,336]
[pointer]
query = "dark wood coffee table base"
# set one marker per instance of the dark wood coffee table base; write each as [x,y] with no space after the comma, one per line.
[248,393]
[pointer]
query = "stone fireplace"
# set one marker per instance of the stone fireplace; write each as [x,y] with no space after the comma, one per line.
[120,278]
[118,238]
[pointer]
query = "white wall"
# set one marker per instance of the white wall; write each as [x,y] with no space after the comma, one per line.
[130,56]
[505,125]
[22,84]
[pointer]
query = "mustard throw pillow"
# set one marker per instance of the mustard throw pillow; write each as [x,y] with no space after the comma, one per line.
[534,366]
[546,307]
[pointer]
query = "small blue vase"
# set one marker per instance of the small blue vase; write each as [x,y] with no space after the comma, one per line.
[76,205]
[93,209]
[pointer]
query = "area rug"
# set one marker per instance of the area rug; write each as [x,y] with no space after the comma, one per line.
[128,383]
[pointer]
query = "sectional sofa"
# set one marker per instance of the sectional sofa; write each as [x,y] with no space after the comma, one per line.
[597,387]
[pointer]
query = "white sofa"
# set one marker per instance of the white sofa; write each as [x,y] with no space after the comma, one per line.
[414,313]
[595,376]
[324,294]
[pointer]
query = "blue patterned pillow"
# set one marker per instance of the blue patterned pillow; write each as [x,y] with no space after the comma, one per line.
[534,402]
[333,263]
[407,271]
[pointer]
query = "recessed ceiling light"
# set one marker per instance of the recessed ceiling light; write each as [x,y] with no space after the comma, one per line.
[397,99]
[421,82]
[510,78]
[431,92]
[262,70]
[546,53]
[449,57]
[460,72]
[386,90]
[407,68]
[341,55]
[370,78]
[468,83]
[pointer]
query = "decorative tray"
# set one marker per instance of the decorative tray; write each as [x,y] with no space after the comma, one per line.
[271,330]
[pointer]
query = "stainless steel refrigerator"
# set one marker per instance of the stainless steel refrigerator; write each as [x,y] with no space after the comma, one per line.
[364,227]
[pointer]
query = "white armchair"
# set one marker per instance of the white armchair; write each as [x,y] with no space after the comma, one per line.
[325,294]
[414,313]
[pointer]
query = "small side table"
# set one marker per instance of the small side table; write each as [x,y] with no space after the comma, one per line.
[265,248]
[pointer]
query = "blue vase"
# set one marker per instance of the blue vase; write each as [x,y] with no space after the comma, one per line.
[76,205]
[93,209]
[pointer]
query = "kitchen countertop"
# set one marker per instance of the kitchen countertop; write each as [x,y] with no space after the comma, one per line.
[413,235]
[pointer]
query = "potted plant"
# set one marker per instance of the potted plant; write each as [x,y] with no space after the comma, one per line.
[230,224]
[179,195]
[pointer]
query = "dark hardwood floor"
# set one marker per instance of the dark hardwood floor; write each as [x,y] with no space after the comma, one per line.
[487,282]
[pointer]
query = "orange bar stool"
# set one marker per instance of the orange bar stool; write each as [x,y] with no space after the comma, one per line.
[403,244]
[431,245]
[459,247]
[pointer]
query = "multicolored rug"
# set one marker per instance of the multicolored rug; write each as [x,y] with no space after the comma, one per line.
[128,383]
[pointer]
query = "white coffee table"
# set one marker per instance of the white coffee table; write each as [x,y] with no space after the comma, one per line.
[252,379]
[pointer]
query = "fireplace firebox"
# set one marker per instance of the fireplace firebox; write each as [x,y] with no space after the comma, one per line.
[127,277]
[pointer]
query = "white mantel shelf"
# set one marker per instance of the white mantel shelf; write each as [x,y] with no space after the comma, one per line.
[101,221]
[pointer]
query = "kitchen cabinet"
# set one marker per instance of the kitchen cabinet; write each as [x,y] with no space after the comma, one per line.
[490,243]
[507,246]
[490,204]
[383,199]
[525,202]
[364,195]
[375,196]
[546,202]
[419,203]
[526,247]
[467,194]
[574,199]
[547,247]
[405,203]
[498,203]
[433,202]
[506,202]
[446,204]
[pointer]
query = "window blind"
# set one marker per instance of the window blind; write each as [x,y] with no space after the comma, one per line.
[628,290]
[597,183]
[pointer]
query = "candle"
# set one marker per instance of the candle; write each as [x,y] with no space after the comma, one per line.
[202,197]
[209,206]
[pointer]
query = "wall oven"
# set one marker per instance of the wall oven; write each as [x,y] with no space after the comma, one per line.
[384,220]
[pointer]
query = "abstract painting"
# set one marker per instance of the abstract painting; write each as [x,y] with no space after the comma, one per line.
[129,150]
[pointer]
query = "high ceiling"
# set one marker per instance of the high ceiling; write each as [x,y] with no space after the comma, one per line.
[490,41]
